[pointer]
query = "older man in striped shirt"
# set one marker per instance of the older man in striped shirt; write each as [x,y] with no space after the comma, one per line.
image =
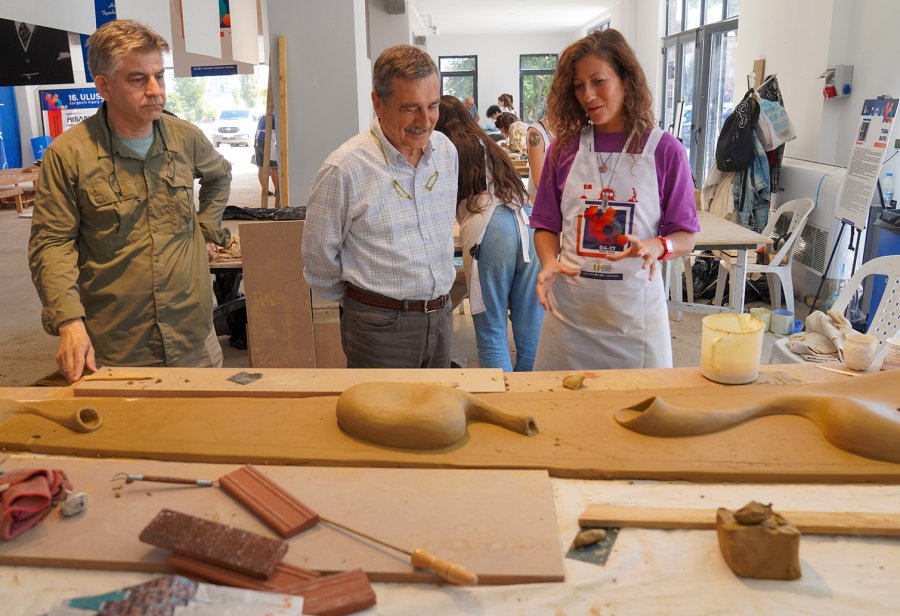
[379,224]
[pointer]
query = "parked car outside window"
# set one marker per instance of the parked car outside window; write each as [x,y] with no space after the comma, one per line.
[235,127]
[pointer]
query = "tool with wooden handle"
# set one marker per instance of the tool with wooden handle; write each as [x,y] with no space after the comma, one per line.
[421,558]
[808,522]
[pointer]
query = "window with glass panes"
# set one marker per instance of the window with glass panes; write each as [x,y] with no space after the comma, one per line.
[459,76]
[604,25]
[535,76]
[698,75]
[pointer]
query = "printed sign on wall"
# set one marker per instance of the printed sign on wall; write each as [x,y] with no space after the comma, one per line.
[64,108]
[867,152]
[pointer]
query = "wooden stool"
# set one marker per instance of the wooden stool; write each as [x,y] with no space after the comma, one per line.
[14,191]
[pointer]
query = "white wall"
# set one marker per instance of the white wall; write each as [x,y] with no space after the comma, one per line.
[872,33]
[498,59]
[325,80]
[642,23]
[387,30]
[807,37]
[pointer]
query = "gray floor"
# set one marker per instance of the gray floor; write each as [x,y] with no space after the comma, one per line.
[27,352]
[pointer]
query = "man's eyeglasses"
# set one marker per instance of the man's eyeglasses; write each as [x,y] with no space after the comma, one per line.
[404,194]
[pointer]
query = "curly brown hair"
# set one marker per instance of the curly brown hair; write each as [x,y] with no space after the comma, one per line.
[566,114]
[472,143]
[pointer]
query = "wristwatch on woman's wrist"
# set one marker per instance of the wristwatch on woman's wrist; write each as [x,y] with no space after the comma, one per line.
[667,247]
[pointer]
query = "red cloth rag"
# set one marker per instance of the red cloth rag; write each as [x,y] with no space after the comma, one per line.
[31,494]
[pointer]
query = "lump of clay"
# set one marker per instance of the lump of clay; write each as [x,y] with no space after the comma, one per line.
[573,381]
[417,415]
[757,542]
[589,537]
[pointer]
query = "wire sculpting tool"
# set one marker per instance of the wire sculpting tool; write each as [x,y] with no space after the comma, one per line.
[419,557]
[131,478]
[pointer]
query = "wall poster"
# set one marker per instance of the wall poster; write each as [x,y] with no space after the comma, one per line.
[61,109]
[34,55]
[864,168]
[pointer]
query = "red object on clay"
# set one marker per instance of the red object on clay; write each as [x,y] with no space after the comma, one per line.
[31,494]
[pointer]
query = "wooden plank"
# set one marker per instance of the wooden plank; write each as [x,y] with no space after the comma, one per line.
[578,437]
[279,313]
[500,524]
[809,522]
[654,378]
[284,180]
[718,233]
[275,382]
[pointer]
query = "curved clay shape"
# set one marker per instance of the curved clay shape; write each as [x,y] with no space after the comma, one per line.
[417,415]
[866,428]
[85,419]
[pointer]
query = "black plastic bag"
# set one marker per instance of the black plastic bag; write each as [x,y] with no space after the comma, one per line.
[735,149]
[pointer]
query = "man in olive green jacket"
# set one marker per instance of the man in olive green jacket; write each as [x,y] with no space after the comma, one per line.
[117,250]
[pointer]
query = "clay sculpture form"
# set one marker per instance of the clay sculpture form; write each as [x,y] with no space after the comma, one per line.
[865,427]
[757,542]
[417,415]
[85,419]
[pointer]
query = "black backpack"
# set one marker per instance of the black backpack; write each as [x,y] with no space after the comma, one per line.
[735,148]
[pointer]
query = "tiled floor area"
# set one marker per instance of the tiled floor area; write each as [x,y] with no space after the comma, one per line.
[27,353]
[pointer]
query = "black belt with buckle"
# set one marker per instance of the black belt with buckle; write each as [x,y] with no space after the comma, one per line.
[403,305]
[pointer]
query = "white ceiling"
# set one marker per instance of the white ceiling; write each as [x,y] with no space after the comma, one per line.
[508,16]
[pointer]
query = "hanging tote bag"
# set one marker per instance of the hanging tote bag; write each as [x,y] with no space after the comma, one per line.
[735,149]
[775,126]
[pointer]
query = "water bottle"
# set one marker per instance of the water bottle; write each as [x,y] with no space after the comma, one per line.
[887,189]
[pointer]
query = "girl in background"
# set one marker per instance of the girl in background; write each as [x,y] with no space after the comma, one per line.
[498,248]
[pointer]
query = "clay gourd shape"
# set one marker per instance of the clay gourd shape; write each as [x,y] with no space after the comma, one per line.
[417,415]
[865,427]
[85,419]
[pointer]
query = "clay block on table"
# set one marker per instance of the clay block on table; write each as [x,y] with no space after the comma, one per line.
[278,508]
[283,580]
[219,544]
[767,550]
[338,594]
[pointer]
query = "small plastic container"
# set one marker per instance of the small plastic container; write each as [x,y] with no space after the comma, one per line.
[892,359]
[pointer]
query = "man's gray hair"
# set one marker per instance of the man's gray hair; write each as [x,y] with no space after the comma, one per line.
[400,62]
[116,39]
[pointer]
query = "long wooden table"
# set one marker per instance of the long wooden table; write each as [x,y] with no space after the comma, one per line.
[716,234]
[648,572]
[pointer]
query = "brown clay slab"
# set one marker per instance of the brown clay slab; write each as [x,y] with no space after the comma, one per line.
[284,579]
[278,508]
[334,595]
[215,543]
[331,595]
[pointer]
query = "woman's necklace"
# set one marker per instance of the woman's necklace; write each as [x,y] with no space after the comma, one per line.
[603,166]
[605,190]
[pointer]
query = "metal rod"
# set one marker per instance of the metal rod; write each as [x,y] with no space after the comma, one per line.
[364,535]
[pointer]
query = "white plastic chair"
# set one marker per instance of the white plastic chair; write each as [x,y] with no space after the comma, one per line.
[778,270]
[885,322]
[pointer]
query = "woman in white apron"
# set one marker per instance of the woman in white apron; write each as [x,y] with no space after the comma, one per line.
[619,199]
[498,249]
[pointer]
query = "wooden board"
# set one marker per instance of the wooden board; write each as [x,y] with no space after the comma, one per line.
[500,524]
[279,309]
[578,437]
[809,522]
[275,382]
[647,379]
